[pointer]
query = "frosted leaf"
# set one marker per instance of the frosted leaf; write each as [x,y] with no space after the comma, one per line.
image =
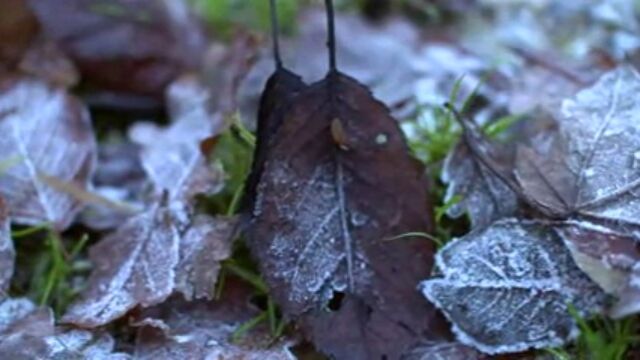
[28,332]
[505,288]
[599,132]
[609,258]
[172,157]
[45,132]
[444,351]
[483,195]
[326,205]
[7,252]
[133,266]
[199,330]
[205,244]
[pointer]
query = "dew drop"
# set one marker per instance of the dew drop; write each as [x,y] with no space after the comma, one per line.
[358,219]
[382,139]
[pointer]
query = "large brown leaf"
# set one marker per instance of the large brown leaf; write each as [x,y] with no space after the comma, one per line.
[47,134]
[338,183]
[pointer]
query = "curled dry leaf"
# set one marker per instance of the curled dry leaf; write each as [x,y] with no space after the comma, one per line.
[319,234]
[28,332]
[505,288]
[47,133]
[199,330]
[7,252]
[136,46]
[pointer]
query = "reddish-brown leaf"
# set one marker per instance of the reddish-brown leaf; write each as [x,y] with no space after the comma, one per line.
[326,209]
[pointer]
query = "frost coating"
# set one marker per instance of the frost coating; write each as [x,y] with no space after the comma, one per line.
[133,266]
[29,332]
[7,252]
[171,156]
[311,248]
[505,288]
[45,132]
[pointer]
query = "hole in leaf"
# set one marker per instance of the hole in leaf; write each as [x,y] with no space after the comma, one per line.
[260,301]
[336,301]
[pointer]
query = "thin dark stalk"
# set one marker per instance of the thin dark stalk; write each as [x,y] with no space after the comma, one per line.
[331,39]
[275,27]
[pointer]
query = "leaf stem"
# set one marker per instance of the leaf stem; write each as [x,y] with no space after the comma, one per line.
[331,35]
[274,34]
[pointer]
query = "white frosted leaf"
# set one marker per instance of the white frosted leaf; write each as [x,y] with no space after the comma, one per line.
[171,156]
[204,245]
[133,266]
[199,330]
[505,288]
[445,351]
[46,132]
[7,252]
[599,135]
[29,332]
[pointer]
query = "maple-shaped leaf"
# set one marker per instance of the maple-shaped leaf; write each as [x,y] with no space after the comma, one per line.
[506,288]
[29,332]
[172,157]
[338,184]
[136,46]
[47,134]
[180,329]
[148,258]
[7,252]
[610,258]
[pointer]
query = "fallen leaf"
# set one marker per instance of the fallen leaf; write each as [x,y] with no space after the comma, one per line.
[610,258]
[28,332]
[205,244]
[136,46]
[482,194]
[505,288]
[318,234]
[148,258]
[597,137]
[7,252]
[445,351]
[133,266]
[204,330]
[172,157]
[47,132]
